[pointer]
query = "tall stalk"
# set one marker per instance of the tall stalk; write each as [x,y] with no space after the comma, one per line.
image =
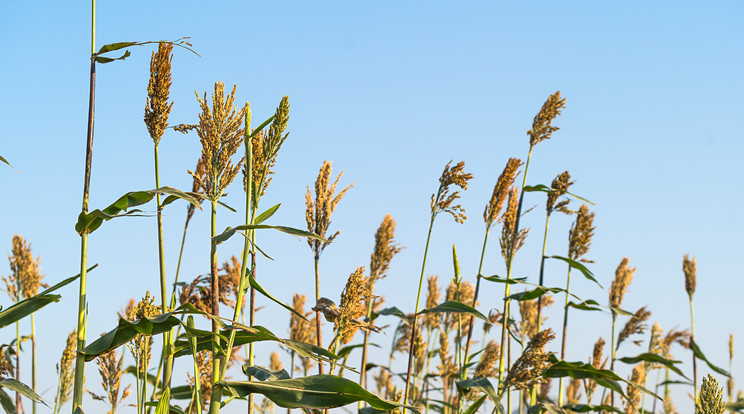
[442,201]
[33,361]
[214,404]
[689,267]
[561,391]
[77,398]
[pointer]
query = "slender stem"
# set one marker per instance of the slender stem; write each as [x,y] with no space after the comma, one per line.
[561,391]
[77,398]
[163,286]
[463,372]
[538,322]
[214,404]
[656,390]
[694,360]
[18,363]
[363,368]
[415,314]
[318,333]
[33,360]
[613,353]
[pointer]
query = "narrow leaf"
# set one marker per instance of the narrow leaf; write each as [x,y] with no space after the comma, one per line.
[114,46]
[22,389]
[479,384]
[476,405]
[580,267]
[267,214]
[653,358]
[391,311]
[284,229]
[497,279]
[254,283]
[699,355]
[534,293]
[7,402]
[164,403]
[452,306]
[6,162]
[585,306]
[263,374]
[126,331]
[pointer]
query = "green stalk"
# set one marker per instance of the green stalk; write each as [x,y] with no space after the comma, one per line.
[415,314]
[463,372]
[167,336]
[561,391]
[18,363]
[533,392]
[363,368]
[694,360]
[318,333]
[507,289]
[33,360]
[77,398]
[247,245]
[613,352]
[197,374]
[214,403]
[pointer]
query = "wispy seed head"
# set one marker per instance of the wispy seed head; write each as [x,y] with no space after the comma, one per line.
[635,325]
[157,108]
[318,212]
[690,269]
[443,200]
[558,188]
[528,369]
[501,190]
[385,249]
[623,277]
[580,235]
[541,125]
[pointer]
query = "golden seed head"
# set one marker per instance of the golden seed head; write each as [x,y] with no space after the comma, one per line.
[597,362]
[501,190]
[318,212]
[731,346]
[203,360]
[25,278]
[463,294]
[634,394]
[529,367]
[541,125]
[486,368]
[573,391]
[141,345]
[299,329]
[493,318]
[432,319]
[580,235]
[635,325]
[351,307]
[443,200]
[672,337]
[558,188]
[623,277]
[221,135]
[711,397]
[110,368]
[385,249]
[446,365]
[690,269]
[230,281]
[66,370]
[509,220]
[157,108]
[275,364]
[265,149]
[196,188]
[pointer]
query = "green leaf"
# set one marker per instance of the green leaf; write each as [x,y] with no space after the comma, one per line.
[534,293]
[313,392]
[102,59]
[89,222]
[181,392]
[586,408]
[452,306]
[580,267]
[22,389]
[131,369]
[6,162]
[227,207]
[164,403]
[7,402]
[28,306]
[254,284]
[114,46]
[653,358]
[267,214]
[587,305]
[126,331]
[391,311]
[345,351]
[545,189]
[699,355]
[582,370]
[263,374]
[479,384]
[289,230]
[620,311]
[497,279]
[262,126]
[476,405]
[737,405]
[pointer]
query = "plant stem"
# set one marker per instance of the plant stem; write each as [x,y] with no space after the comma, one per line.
[561,391]
[318,333]
[33,360]
[363,368]
[463,372]
[77,398]
[163,286]
[613,352]
[18,363]
[214,403]
[694,360]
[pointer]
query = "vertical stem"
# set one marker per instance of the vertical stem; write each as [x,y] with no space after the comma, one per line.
[463,372]
[18,362]
[415,315]
[33,360]
[77,398]
[167,336]
[561,391]
[363,368]
[318,333]
[613,352]
[214,404]
[694,360]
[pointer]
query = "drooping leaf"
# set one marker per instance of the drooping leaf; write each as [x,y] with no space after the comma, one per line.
[263,374]
[699,355]
[267,214]
[580,267]
[22,389]
[28,306]
[345,351]
[391,311]
[497,279]
[582,370]
[230,231]
[534,293]
[254,283]
[479,384]
[7,403]
[587,408]
[653,358]
[675,382]
[312,392]
[587,305]
[103,59]
[620,311]
[127,330]
[545,189]
[452,306]
[89,222]
[114,46]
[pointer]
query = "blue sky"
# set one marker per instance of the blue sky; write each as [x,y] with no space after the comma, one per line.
[391,92]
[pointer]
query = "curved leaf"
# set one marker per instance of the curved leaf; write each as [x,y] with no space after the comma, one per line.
[699,355]
[580,267]
[267,214]
[534,293]
[28,306]
[452,306]
[497,279]
[586,408]
[313,392]
[164,403]
[254,284]
[476,405]
[653,358]
[127,330]
[479,384]
[391,311]
[7,403]
[263,374]
[230,231]
[582,370]
[587,305]
[22,389]
[545,189]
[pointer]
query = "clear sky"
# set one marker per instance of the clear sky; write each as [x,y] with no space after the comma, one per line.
[390,92]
